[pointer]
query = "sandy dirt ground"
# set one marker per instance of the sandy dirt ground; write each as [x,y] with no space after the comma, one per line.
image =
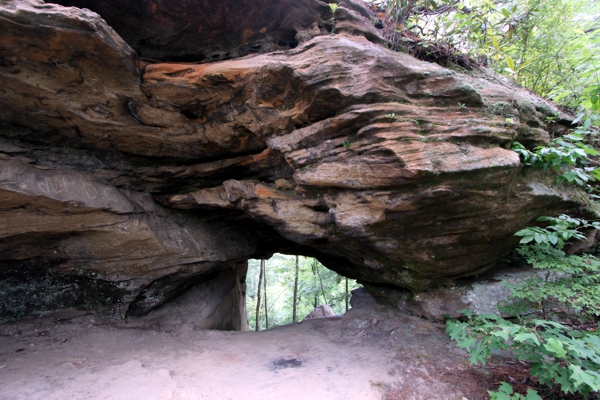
[364,355]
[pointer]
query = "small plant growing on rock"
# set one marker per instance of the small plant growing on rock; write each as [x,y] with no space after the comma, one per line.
[346,145]
[390,117]
[550,119]
[334,7]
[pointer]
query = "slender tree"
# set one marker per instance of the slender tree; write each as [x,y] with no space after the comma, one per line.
[316,298]
[264,268]
[346,294]
[295,305]
[320,280]
[258,294]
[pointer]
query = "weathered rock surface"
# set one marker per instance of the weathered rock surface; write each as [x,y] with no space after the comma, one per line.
[217,302]
[483,294]
[208,31]
[125,182]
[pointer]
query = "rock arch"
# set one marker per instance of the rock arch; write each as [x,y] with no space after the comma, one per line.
[133,169]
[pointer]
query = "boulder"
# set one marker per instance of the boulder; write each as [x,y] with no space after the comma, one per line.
[138,162]
[482,294]
[322,311]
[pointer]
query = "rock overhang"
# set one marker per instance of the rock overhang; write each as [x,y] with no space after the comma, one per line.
[388,169]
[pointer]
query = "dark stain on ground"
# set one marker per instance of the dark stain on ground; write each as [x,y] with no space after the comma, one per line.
[286,363]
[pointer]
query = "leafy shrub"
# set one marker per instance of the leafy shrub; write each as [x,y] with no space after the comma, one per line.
[571,283]
[566,155]
[568,285]
[505,392]
[561,229]
[556,354]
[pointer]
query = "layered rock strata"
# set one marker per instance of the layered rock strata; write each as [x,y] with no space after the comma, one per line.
[126,181]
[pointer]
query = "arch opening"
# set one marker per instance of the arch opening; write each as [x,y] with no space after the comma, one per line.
[319,292]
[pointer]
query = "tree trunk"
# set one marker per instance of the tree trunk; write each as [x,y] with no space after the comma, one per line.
[346,294]
[258,295]
[264,267]
[320,280]
[316,299]
[294,312]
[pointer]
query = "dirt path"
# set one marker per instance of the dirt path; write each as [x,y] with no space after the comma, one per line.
[365,355]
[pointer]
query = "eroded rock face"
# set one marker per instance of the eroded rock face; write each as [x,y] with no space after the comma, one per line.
[209,31]
[410,186]
[484,294]
[125,182]
[216,302]
[81,236]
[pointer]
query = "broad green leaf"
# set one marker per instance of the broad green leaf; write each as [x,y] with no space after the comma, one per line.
[504,392]
[526,240]
[532,395]
[563,95]
[539,238]
[560,378]
[511,63]
[498,396]
[522,337]
[579,376]
[575,137]
[555,346]
[524,65]
[495,42]
[501,333]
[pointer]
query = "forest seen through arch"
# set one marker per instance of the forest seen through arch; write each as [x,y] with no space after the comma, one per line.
[316,285]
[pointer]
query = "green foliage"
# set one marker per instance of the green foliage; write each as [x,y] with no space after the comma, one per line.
[390,117]
[592,97]
[505,392]
[560,230]
[569,286]
[334,7]
[401,10]
[567,156]
[548,46]
[280,270]
[346,145]
[555,353]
